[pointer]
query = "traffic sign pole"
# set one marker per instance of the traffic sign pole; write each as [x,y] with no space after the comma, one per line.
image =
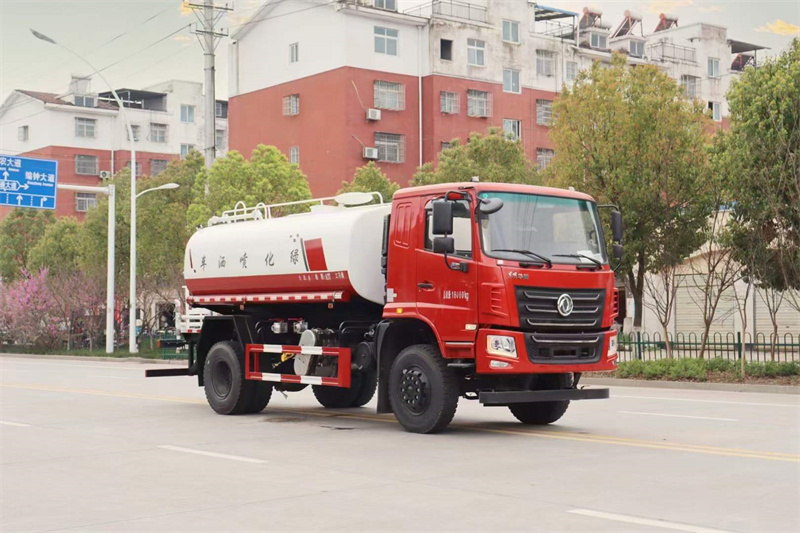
[110,190]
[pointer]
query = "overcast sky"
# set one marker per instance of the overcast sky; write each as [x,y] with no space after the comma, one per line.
[125,33]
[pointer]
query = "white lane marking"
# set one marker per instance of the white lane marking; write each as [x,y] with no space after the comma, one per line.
[645,521]
[18,424]
[680,416]
[707,401]
[213,454]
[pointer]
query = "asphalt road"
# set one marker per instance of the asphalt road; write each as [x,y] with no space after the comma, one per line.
[94,446]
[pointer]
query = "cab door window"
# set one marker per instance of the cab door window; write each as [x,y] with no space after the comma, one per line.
[462,228]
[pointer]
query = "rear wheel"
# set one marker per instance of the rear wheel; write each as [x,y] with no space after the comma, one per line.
[423,391]
[227,392]
[362,388]
[541,413]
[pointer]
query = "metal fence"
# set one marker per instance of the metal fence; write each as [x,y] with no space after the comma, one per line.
[643,346]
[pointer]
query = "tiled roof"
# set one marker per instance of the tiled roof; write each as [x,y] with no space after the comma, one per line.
[52,98]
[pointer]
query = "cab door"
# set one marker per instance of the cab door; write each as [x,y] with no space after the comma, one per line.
[448,297]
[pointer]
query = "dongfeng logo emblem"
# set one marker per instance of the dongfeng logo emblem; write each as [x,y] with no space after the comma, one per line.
[565,305]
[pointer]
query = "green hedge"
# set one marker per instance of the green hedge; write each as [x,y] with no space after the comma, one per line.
[699,369]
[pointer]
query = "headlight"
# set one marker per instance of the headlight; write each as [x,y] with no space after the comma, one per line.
[501,345]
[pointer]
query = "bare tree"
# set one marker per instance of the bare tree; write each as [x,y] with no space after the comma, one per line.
[741,297]
[662,287]
[773,298]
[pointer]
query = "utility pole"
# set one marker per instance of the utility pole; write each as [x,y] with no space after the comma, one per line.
[208,14]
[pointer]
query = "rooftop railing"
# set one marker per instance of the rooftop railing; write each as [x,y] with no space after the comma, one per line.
[450,9]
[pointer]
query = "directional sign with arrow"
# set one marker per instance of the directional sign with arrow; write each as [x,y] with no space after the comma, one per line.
[28,182]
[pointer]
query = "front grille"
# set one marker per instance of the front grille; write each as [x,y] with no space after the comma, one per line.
[538,308]
[564,349]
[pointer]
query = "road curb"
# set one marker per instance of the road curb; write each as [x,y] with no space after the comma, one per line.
[95,359]
[655,384]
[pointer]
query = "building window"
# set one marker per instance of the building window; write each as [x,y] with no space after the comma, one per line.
[388,5]
[220,110]
[446,145]
[545,63]
[479,104]
[391,147]
[389,95]
[571,71]
[713,67]
[446,49]
[543,157]
[157,166]
[511,81]
[689,85]
[85,127]
[636,48]
[185,149]
[219,140]
[385,41]
[294,53]
[291,105]
[87,165]
[544,112]
[598,40]
[294,155]
[85,201]
[137,132]
[512,128]
[85,101]
[138,167]
[511,31]
[22,133]
[158,132]
[476,53]
[449,102]
[716,110]
[187,113]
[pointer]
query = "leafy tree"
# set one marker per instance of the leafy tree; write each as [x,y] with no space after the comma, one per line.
[19,232]
[267,178]
[764,143]
[629,137]
[370,178]
[493,158]
[29,312]
[59,248]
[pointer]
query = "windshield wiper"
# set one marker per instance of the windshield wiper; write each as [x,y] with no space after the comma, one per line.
[540,257]
[581,256]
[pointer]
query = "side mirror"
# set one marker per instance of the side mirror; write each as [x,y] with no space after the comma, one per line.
[618,251]
[442,218]
[490,205]
[616,226]
[444,245]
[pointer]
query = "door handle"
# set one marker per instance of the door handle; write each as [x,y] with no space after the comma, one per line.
[425,286]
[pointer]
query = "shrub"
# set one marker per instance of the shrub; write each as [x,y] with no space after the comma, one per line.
[718,364]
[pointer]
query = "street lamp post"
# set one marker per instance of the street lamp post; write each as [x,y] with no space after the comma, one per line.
[132,326]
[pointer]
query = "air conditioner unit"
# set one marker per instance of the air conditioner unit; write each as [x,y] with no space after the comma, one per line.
[370,152]
[105,174]
[373,114]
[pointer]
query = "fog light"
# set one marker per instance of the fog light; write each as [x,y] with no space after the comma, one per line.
[612,345]
[498,364]
[501,345]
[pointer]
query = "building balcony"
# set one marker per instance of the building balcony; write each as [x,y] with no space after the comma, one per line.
[452,9]
[664,51]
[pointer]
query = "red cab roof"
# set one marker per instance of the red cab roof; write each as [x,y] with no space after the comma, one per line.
[441,188]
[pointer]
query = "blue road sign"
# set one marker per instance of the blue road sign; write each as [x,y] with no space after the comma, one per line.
[26,182]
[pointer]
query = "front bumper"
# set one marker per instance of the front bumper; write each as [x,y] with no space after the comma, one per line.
[548,353]
[511,397]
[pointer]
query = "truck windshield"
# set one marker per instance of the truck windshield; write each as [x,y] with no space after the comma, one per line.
[564,230]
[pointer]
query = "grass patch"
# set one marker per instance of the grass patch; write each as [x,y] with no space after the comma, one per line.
[685,369]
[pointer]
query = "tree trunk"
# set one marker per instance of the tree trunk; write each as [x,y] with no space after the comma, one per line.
[666,341]
[704,341]
[636,286]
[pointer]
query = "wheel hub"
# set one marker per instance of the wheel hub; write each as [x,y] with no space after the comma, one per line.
[414,389]
[222,381]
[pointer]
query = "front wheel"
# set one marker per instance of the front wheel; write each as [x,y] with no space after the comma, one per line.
[542,413]
[423,391]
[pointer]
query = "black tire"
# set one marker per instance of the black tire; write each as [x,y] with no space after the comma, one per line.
[338,397]
[423,391]
[369,383]
[227,392]
[541,413]
[261,397]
